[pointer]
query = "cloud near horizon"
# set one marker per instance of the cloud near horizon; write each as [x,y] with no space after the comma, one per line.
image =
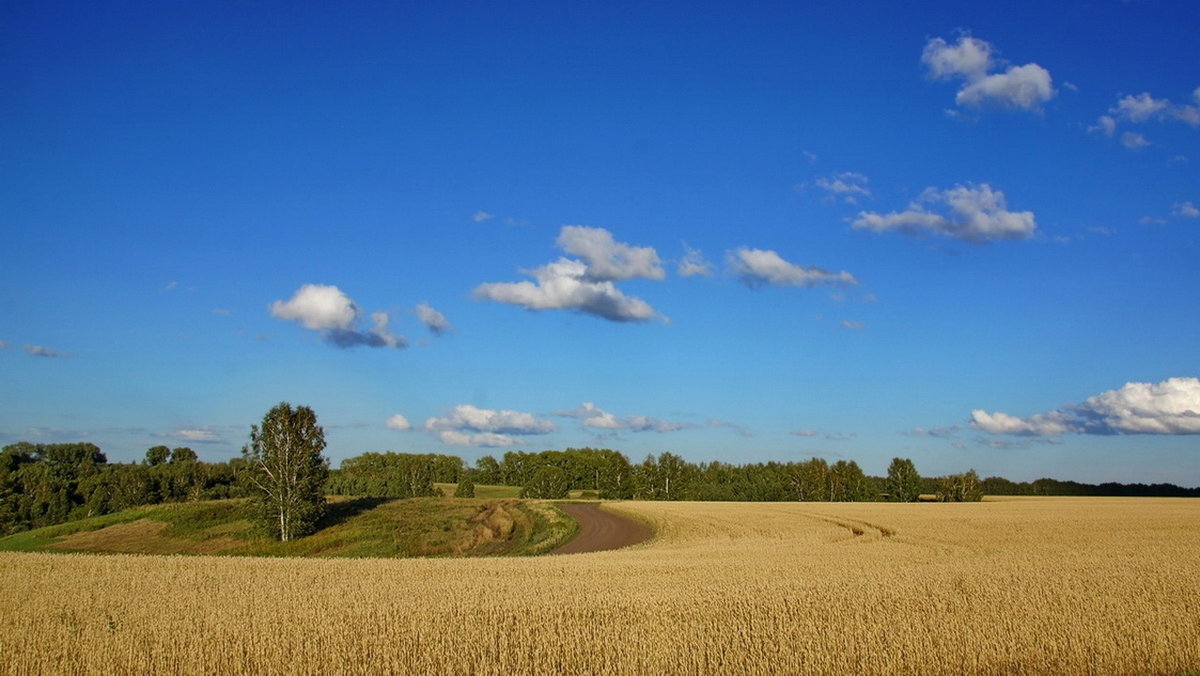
[1170,407]
[330,312]
[467,425]
[970,60]
[592,417]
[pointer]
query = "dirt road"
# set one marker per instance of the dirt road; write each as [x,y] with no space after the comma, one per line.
[600,530]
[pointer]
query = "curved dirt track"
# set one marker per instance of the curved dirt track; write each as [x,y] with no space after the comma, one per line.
[600,530]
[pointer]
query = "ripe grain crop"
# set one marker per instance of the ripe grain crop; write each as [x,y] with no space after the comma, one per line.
[1036,585]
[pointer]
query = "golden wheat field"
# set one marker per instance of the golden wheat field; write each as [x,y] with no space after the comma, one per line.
[1034,585]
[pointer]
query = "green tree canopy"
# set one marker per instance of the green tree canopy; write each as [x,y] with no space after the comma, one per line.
[903,482]
[286,470]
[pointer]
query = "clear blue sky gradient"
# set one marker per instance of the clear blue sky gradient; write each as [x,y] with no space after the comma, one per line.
[169,170]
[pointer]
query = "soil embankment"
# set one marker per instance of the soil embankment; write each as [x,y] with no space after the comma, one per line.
[600,530]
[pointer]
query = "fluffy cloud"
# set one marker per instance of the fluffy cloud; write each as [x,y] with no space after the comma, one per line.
[847,186]
[399,423]
[694,264]
[593,417]
[481,216]
[1185,210]
[756,267]
[970,60]
[565,285]
[40,351]
[467,425]
[1139,108]
[606,259]
[972,213]
[1169,407]
[327,309]
[433,320]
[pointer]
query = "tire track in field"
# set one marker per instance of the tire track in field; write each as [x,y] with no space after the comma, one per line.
[601,530]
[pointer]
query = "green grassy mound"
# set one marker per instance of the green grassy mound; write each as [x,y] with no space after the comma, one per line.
[352,527]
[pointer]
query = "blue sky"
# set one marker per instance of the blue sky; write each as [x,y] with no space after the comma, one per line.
[962,234]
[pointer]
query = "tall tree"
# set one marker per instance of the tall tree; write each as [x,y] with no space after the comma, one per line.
[286,470]
[903,482]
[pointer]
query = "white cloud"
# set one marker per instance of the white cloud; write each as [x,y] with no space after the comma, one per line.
[853,325]
[608,260]
[593,417]
[740,429]
[935,432]
[694,264]
[482,439]
[318,306]
[1024,87]
[1169,407]
[1133,140]
[756,267]
[563,285]
[1105,124]
[1185,210]
[40,351]
[327,309]
[972,213]
[481,216]
[198,435]
[1139,108]
[433,320]
[468,418]
[847,186]
[970,60]
[806,432]
[810,155]
[584,285]
[399,423]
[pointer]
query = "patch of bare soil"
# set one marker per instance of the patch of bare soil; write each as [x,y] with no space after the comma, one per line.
[600,530]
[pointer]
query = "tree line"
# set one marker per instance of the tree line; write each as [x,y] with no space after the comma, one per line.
[46,484]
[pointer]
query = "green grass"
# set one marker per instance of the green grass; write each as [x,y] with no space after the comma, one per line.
[483,492]
[352,527]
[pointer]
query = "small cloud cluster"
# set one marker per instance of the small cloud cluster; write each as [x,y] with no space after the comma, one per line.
[829,436]
[759,267]
[974,213]
[971,60]
[585,284]
[694,264]
[1185,210]
[593,417]
[846,186]
[399,423]
[1140,108]
[41,351]
[467,425]
[329,311]
[433,320]
[1169,407]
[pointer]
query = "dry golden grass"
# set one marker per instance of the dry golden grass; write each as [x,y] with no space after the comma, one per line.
[1052,585]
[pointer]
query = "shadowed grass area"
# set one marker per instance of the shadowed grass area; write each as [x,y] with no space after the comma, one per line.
[352,527]
[483,492]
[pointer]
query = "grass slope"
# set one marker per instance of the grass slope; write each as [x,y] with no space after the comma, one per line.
[359,527]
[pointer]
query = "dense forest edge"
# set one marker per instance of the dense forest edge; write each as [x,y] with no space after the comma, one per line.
[48,484]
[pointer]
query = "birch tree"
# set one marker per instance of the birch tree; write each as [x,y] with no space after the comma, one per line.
[285,470]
